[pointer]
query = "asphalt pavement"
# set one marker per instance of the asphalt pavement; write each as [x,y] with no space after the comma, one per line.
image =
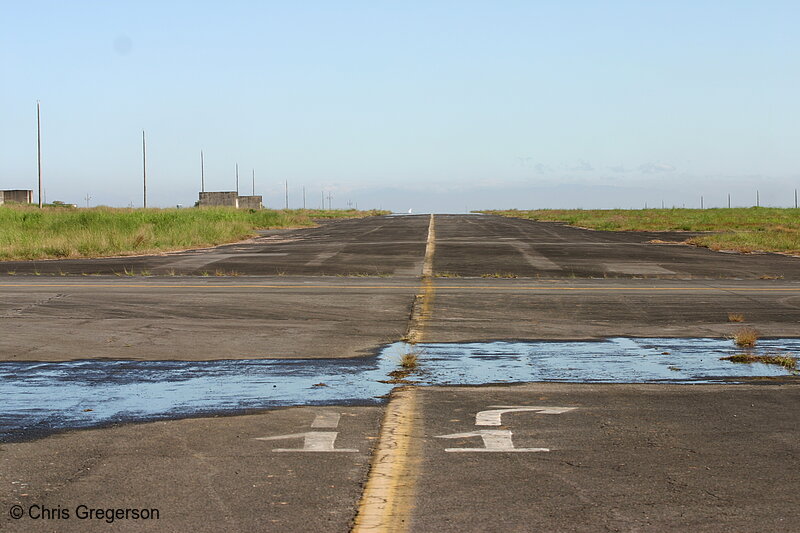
[621,458]
[492,246]
[163,318]
[201,474]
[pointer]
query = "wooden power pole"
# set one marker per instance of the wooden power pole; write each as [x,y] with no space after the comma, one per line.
[144,171]
[39,150]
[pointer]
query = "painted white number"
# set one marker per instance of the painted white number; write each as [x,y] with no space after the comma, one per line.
[326,420]
[499,440]
[315,441]
[493,417]
[494,440]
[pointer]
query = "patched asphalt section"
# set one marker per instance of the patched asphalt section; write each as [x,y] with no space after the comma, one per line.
[470,310]
[374,246]
[625,458]
[200,319]
[206,474]
[490,245]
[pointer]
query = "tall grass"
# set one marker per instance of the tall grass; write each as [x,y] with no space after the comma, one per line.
[321,214]
[32,233]
[741,229]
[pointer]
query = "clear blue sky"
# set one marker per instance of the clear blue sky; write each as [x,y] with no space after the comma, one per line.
[429,105]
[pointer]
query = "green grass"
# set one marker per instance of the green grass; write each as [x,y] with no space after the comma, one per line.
[751,229]
[446,274]
[499,275]
[786,361]
[323,214]
[30,233]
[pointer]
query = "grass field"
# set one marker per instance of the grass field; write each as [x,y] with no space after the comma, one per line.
[30,233]
[750,229]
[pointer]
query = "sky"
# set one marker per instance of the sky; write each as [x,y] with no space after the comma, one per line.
[435,106]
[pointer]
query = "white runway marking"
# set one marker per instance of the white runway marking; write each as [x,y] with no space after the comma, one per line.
[327,419]
[493,417]
[313,441]
[636,268]
[494,440]
[321,258]
[534,258]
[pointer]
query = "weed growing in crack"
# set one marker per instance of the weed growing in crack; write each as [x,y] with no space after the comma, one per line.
[745,337]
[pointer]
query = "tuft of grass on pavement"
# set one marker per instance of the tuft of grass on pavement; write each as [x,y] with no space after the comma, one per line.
[409,361]
[745,337]
[786,361]
[499,275]
[446,274]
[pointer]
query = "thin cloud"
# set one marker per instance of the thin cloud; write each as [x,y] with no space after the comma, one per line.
[582,166]
[652,168]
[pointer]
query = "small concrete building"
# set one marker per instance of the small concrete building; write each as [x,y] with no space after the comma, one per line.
[19,196]
[229,199]
[250,202]
[219,199]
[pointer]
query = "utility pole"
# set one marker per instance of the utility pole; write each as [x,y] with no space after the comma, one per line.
[144,172]
[39,150]
[202,173]
[237,179]
[286,193]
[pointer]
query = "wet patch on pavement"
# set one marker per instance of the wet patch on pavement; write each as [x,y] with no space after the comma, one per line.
[615,360]
[42,398]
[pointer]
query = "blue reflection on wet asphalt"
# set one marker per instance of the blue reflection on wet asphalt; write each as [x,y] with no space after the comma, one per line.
[39,398]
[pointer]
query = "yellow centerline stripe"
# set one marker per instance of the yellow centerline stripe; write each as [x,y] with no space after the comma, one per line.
[385,504]
[388,498]
[430,249]
[423,302]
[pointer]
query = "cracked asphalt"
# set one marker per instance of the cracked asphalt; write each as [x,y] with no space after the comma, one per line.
[628,457]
